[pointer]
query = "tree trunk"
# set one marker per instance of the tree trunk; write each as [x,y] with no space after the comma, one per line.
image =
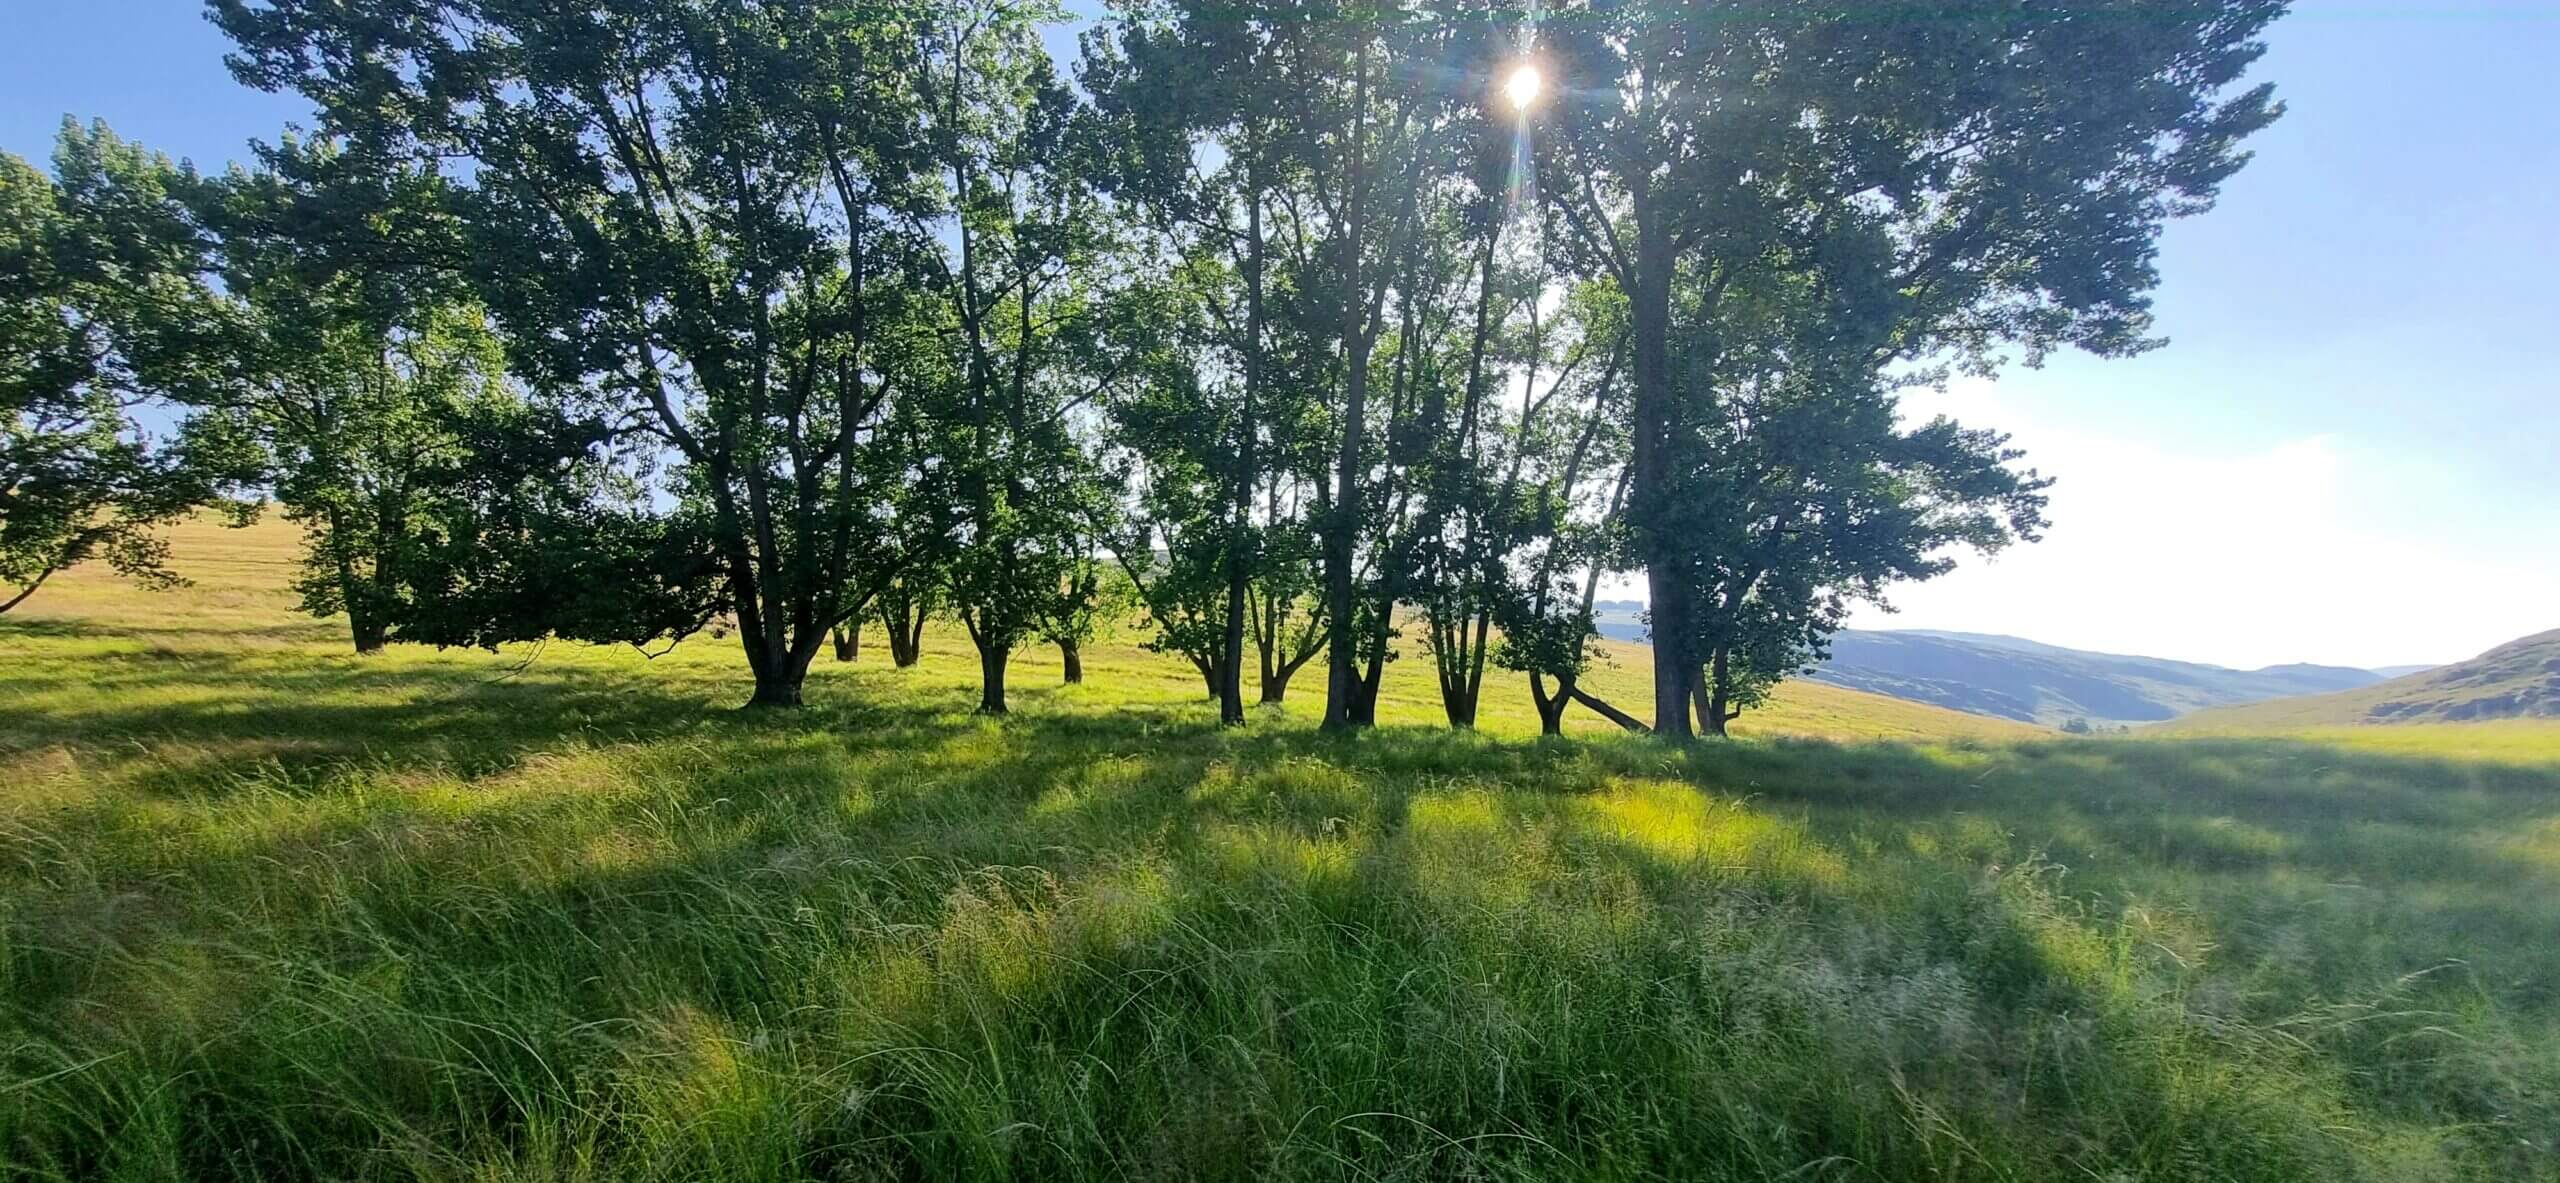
[364,627]
[1652,468]
[1229,690]
[1551,707]
[779,674]
[1364,700]
[1460,706]
[1341,535]
[1073,655]
[1239,564]
[848,641]
[1619,717]
[992,659]
[906,634]
[1457,698]
[1711,695]
[780,690]
[368,633]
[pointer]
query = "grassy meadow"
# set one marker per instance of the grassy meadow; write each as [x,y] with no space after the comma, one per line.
[272,911]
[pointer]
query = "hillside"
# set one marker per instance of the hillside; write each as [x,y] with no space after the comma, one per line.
[2519,680]
[272,911]
[241,596]
[2022,680]
[2011,678]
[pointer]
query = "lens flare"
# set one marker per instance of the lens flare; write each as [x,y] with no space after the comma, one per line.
[1524,87]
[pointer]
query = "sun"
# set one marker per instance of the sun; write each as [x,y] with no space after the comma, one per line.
[1524,87]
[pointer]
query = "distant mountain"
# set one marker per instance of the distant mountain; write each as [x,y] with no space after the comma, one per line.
[2402,671]
[2015,678]
[2517,680]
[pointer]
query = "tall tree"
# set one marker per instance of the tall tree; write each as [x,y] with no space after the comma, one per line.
[1405,261]
[685,215]
[1025,275]
[98,292]
[2003,170]
[355,381]
[1215,155]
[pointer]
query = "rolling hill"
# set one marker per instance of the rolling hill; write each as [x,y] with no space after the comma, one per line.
[2013,678]
[241,596]
[2517,680]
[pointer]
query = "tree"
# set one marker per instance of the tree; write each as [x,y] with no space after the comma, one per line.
[1173,425]
[1570,528]
[1215,155]
[906,603]
[685,217]
[1495,482]
[95,291]
[1810,496]
[2002,172]
[354,381]
[1026,290]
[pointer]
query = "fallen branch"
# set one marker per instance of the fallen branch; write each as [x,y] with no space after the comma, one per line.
[1612,714]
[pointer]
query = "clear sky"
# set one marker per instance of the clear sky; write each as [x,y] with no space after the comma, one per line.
[2349,453]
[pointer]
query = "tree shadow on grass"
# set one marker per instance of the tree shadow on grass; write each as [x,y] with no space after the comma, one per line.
[854,893]
[174,631]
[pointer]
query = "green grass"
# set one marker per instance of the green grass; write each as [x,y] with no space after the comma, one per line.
[272,912]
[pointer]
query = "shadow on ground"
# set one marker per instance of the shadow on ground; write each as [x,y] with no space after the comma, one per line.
[283,918]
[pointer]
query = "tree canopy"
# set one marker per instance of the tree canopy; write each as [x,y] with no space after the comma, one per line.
[1289,329]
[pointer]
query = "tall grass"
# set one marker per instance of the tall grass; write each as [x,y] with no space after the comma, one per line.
[271,913]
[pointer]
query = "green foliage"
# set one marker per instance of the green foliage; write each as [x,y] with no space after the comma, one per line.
[96,301]
[1940,185]
[363,390]
[1013,466]
[687,220]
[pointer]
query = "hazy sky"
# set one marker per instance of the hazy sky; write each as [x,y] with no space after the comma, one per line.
[2350,452]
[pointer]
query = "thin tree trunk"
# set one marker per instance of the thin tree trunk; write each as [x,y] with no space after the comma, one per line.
[906,632]
[1239,563]
[1714,696]
[848,642]
[1073,655]
[1340,542]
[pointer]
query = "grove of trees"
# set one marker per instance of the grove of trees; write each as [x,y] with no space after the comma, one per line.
[1314,335]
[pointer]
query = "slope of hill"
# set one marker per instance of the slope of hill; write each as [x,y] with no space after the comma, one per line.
[240,597]
[2517,680]
[2014,678]
[2402,671]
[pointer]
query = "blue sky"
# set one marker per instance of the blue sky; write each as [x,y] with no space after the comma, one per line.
[2350,452]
